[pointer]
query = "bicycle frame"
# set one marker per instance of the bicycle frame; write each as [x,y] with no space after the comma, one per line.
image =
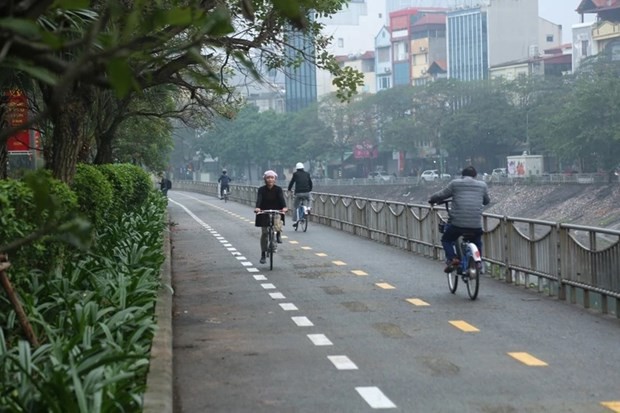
[271,244]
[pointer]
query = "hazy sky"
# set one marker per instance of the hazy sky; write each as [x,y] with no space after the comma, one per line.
[562,12]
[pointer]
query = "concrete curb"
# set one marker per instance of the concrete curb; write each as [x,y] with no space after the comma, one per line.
[158,397]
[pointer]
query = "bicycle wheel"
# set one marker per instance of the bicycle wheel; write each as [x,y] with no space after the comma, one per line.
[225,195]
[304,223]
[473,284]
[270,248]
[453,280]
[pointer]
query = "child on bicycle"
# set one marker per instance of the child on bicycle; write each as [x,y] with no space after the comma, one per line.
[469,196]
[269,196]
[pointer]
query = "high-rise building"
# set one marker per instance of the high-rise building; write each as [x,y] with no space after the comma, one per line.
[300,80]
[486,35]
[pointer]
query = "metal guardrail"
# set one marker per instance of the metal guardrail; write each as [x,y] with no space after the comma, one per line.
[564,178]
[578,264]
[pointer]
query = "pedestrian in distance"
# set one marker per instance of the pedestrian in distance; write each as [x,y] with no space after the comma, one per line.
[164,185]
[303,187]
[269,196]
[469,196]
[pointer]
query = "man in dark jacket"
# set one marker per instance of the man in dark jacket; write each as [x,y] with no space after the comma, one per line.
[303,186]
[269,196]
[469,196]
[223,180]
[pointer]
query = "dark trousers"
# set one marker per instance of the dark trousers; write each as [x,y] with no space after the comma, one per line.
[452,233]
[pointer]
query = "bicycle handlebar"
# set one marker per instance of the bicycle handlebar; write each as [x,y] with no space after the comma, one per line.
[270,211]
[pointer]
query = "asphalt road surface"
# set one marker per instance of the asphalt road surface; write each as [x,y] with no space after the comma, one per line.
[344,324]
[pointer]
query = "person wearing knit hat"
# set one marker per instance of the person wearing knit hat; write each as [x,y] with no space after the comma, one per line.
[269,196]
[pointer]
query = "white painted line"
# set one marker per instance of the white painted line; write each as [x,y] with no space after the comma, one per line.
[375,398]
[241,258]
[246,264]
[252,269]
[342,362]
[260,277]
[302,321]
[289,307]
[232,249]
[268,286]
[219,237]
[228,245]
[223,241]
[320,340]
[277,296]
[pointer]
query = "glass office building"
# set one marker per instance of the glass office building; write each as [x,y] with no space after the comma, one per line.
[467,44]
[300,81]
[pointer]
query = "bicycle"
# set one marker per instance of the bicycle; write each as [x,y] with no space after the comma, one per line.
[470,264]
[302,212]
[225,195]
[271,234]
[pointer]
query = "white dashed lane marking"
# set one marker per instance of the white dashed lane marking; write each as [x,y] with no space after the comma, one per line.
[302,321]
[320,340]
[277,296]
[342,362]
[288,307]
[375,398]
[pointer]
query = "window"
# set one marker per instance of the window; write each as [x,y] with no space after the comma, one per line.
[384,83]
[340,42]
[383,54]
[584,48]
[549,38]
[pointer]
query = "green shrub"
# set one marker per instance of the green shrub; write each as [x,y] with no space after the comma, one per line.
[122,189]
[36,203]
[94,194]
[95,320]
[141,185]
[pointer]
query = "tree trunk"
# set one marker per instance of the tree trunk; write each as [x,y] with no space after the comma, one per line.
[4,159]
[68,118]
[104,150]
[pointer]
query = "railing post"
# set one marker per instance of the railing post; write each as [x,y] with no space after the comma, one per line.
[507,244]
[560,233]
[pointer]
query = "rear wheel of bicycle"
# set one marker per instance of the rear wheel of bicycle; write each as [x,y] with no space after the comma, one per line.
[225,195]
[473,271]
[304,224]
[453,281]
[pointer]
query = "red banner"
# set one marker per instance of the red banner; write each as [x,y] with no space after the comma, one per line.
[17,115]
[365,150]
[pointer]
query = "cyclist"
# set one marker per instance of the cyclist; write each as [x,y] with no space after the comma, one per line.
[469,195]
[269,196]
[303,186]
[224,179]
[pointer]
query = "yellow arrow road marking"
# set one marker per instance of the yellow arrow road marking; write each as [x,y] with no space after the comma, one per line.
[464,326]
[527,359]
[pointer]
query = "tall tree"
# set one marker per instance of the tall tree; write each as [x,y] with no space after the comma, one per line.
[133,46]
